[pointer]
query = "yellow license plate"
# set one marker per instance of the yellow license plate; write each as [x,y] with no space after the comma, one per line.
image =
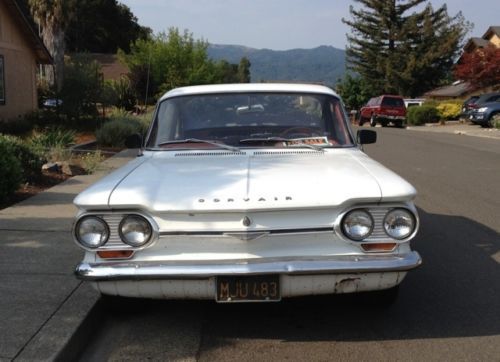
[252,288]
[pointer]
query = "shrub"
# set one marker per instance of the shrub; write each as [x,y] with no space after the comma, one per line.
[54,137]
[496,120]
[82,86]
[119,93]
[29,157]
[449,110]
[114,132]
[19,126]
[91,161]
[423,114]
[11,170]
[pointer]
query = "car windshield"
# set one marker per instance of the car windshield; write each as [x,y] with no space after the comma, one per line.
[236,120]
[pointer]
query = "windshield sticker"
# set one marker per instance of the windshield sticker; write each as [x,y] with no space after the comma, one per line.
[308,141]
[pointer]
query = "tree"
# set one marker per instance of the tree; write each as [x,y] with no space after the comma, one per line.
[103,26]
[481,68]
[395,51]
[354,91]
[172,59]
[244,70]
[53,17]
[82,88]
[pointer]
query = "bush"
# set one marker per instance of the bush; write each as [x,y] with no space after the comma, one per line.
[29,157]
[91,161]
[449,110]
[423,114]
[114,132]
[54,137]
[19,126]
[11,170]
[496,120]
[82,87]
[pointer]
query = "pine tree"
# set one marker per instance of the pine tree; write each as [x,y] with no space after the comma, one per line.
[397,49]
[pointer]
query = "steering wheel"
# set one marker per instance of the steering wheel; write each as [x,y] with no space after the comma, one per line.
[299,132]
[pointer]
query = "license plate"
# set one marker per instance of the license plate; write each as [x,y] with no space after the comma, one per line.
[253,288]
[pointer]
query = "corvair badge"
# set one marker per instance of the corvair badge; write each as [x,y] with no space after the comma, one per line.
[246,199]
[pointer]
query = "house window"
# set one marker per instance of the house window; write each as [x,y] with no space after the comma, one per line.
[2,81]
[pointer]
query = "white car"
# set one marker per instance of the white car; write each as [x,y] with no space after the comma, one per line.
[248,192]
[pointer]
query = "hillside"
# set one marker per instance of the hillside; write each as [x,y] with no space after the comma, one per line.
[324,64]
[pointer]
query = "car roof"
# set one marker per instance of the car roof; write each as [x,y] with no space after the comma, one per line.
[249,88]
[487,95]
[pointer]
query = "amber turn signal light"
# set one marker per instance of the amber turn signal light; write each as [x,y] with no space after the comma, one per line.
[379,247]
[115,254]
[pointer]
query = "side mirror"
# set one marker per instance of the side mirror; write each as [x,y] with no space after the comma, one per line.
[365,137]
[134,141]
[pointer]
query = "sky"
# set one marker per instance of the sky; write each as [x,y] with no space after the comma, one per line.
[280,24]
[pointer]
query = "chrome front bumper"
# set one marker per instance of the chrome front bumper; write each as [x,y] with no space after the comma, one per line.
[143,270]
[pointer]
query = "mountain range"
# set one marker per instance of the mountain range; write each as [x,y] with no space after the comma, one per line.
[324,64]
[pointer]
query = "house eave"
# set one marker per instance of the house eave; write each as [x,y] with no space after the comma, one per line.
[42,54]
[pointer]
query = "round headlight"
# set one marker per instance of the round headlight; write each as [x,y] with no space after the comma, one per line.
[357,225]
[399,223]
[135,230]
[92,232]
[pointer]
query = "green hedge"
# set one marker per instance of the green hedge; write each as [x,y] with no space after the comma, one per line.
[424,114]
[30,159]
[119,126]
[11,170]
[114,132]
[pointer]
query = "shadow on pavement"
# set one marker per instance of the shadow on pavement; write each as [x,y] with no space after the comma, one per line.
[455,293]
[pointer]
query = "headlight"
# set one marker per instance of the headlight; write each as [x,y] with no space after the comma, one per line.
[357,225]
[482,109]
[92,232]
[135,230]
[399,223]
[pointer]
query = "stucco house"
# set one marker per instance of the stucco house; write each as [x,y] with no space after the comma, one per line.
[21,50]
[491,37]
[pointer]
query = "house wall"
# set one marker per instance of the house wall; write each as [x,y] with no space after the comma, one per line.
[19,69]
[495,39]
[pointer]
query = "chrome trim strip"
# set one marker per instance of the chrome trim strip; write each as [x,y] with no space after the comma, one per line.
[250,232]
[142,270]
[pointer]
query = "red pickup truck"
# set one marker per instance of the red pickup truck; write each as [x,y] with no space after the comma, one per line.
[384,109]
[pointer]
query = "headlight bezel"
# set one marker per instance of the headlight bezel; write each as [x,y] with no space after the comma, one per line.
[349,213]
[408,213]
[78,237]
[142,218]
[378,212]
[113,220]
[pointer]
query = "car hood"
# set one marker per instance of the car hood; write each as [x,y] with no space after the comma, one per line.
[224,181]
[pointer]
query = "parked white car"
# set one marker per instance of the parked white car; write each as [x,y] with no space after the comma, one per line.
[248,192]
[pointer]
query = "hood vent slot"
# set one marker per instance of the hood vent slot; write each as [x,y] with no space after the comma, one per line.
[197,154]
[286,153]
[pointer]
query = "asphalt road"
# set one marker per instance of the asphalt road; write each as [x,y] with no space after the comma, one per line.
[448,309]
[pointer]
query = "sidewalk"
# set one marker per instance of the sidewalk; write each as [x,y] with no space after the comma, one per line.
[41,303]
[460,129]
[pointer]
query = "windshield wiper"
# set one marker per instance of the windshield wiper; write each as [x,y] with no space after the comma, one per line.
[196,140]
[281,139]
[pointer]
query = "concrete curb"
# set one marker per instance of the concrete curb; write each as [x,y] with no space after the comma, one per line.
[65,334]
[459,131]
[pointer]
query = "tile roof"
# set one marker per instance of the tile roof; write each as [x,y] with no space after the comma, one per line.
[456,89]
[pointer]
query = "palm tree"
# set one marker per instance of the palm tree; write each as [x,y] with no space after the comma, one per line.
[53,16]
